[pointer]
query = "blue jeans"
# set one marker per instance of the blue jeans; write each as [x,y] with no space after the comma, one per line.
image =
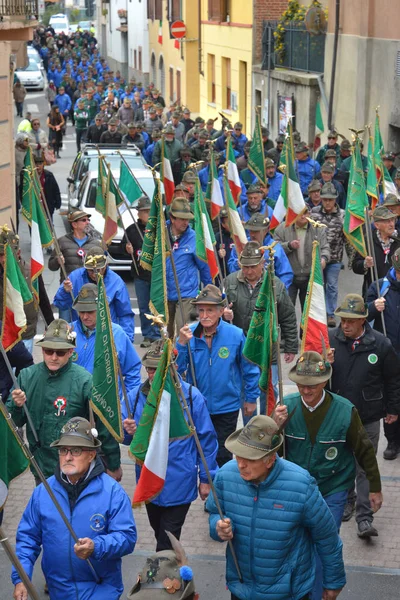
[65,313]
[263,395]
[29,345]
[142,288]
[331,278]
[336,503]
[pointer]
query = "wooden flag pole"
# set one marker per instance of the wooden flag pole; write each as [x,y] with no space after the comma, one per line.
[43,479]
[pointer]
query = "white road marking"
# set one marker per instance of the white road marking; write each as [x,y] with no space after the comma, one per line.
[34,108]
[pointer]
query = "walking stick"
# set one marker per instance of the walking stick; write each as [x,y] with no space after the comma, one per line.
[9,550]
[42,478]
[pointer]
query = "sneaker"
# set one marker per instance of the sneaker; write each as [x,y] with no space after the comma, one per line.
[331,321]
[366,530]
[349,511]
[391,451]
[146,343]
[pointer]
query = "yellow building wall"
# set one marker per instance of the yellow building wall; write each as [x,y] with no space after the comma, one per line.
[234,41]
[184,60]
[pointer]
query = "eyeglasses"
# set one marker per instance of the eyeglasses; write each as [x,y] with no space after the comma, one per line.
[84,220]
[50,352]
[72,451]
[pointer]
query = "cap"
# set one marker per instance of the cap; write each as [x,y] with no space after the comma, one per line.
[186,111]
[389,156]
[156,133]
[8,237]
[113,121]
[210,122]
[345,145]
[328,190]
[396,259]
[77,432]
[310,369]
[86,300]
[169,129]
[180,208]
[152,111]
[327,168]
[223,213]
[95,258]
[204,134]
[176,114]
[254,188]
[189,177]
[132,125]
[264,131]
[58,335]
[98,117]
[144,203]
[251,255]
[391,200]
[315,186]
[330,154]
[199,120]
[352,307]
[76,215]
[259,438]
[210,294]
[238,125]
[332,134]
[280,139]
[382,213]
[301,147]
[165,573]
[127,100]
[185,150]
[269,163]
[257,222]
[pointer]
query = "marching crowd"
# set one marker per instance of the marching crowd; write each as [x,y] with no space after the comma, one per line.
[281,516]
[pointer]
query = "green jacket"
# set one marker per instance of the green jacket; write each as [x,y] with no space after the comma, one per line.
[327,443]
[81,116]
[244,303]
[42,388]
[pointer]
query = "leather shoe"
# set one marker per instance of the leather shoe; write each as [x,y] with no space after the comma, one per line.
[366,530]
[349,510]
[391,451]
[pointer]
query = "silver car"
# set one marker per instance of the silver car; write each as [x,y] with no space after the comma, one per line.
[31,76]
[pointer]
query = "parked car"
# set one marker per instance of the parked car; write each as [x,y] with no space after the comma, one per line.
[59,23]
[88,160]
[119,260]
[31,76]
[84,25]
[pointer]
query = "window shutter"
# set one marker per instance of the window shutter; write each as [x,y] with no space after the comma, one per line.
[158,10]
[175,10]
[214,10]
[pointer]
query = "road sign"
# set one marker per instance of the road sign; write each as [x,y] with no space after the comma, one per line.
[178,29]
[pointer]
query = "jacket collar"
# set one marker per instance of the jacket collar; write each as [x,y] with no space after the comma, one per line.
[198,330]
[242,279]
[366,340]
[272,476]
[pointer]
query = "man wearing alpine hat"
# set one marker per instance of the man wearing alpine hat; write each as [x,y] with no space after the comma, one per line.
[327,428]
[99,511]
[276,518]
[117,292]
[54,391]
[366,371]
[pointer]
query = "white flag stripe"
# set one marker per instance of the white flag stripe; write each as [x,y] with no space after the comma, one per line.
[317,304]
[157,453]
[36,244]
[233,174]
[216,193]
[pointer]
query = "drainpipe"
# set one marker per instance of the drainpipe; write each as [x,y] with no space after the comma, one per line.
[334,60]
[200,40]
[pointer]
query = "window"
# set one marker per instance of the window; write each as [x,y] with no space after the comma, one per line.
[171,84]
[135,60]
[175,9]
[178,87]
[217,10]
[161,69]
[226,83]
[140,59]
[154,10]
[153,69]
[211,78]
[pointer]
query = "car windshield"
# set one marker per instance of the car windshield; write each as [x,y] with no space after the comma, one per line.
[31,67]
[84,24]
[59,26]
[114,161]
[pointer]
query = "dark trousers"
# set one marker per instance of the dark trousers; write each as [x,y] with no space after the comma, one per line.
[224,425]
[166,518]
[80,137]
[392,432]
[19,106]
[298,286]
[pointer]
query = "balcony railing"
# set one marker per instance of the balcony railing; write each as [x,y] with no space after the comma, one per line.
[19,8]
[303,51]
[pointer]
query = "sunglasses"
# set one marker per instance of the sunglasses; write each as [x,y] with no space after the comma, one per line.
[72,451]
[50,352]
[84,220]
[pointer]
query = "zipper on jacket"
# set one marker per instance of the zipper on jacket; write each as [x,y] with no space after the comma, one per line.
[253,520]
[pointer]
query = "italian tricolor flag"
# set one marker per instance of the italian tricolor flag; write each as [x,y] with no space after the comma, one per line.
[389,186]
[238,233]
[160,33]
[162,421]
[16,293]
[233,173]
[319,126]
[313,320]
[216,198]
[205,239]
[166,173]
[290,203]
[111,212]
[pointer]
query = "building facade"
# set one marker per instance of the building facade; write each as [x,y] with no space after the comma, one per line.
[226,52]
[18,19]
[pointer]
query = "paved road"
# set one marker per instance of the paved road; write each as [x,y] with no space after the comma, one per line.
[373,568]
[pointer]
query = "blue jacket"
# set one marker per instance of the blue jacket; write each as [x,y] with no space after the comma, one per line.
[103,502]
[220,369]
[389,288]
[283,269]
[148,153]
[117,295]
[307,171]
[63,101]
[240,142]
[243,195]
[188,267]
[204,175]
[185,467]
[128,358]
[57,77]
[245,213]
[277,525]
[275,183]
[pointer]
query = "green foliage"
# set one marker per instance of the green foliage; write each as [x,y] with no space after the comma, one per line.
[74,15]
[54,9]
